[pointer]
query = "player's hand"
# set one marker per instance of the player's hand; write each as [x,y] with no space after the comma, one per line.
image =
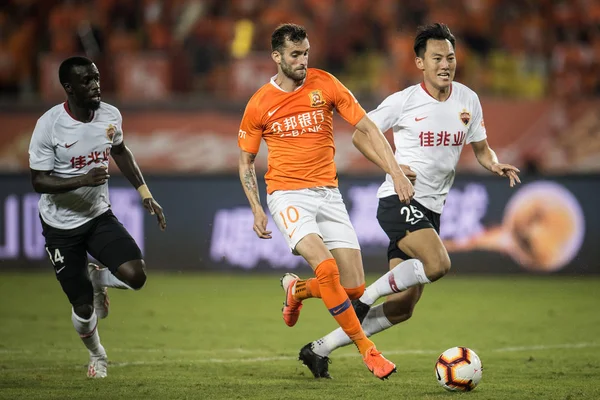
[404,188]
[155,209]
[260,225]
[95,177]
[509,171]
[410,174]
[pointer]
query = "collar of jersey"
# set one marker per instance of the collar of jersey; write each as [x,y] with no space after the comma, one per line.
[429,94]
[74,118]
[279,88]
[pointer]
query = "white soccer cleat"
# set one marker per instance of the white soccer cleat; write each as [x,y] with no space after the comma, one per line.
[98,367]
[101,300]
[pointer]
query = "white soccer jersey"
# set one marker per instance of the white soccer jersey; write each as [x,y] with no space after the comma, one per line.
[69,148]
[429,136]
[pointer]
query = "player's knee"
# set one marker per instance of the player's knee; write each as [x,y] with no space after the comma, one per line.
[356,292]
[138,280]
[81,295]
[133,273]
[83,311]
[437,266]
[444,265]
[327,272]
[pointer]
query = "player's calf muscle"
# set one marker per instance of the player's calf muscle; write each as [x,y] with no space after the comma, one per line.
[399,307]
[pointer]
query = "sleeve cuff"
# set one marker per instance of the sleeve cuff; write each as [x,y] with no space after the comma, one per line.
[41,166]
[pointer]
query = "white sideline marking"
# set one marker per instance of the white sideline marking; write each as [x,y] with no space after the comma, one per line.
[513,349]
[548,347]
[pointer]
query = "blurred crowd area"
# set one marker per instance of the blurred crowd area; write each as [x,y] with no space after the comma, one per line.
[512,48]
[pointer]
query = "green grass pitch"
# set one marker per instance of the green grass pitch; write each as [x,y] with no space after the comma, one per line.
[197,336]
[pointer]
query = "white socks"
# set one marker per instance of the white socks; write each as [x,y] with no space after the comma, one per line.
[87,330]
[104,278]
[407,274]
[374,322]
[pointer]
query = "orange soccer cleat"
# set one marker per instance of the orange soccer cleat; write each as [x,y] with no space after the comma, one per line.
[378,364]
[291,306]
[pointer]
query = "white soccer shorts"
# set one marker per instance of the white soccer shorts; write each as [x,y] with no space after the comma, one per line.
[319,210]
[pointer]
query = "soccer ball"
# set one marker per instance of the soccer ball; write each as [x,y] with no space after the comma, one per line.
[458,369]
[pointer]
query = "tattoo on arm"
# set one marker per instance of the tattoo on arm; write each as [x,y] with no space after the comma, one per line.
[250,181]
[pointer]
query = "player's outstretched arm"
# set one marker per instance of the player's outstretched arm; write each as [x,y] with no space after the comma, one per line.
[383,150]
[250,184]
[126,163]
[363,144]
[361,141]
[45,182]
[488,159]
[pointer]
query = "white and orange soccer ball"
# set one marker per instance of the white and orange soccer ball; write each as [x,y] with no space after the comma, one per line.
[458,369]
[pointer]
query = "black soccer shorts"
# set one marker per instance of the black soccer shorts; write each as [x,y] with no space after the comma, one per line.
[397,219]
[104,238]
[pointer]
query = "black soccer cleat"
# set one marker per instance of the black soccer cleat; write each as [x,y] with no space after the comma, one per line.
[361,309]
[318,365]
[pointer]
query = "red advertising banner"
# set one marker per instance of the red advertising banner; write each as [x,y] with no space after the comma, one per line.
[138,77]
[142,77]
[166,142]
[50,87]
[249,74]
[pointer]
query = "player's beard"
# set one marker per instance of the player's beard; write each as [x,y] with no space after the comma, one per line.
[296,76]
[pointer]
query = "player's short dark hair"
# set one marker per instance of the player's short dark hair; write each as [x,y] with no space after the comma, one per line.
[292,32]
[64,71]
[435,31]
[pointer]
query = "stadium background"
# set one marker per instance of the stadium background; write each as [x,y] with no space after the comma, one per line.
[524,287]
[181,71]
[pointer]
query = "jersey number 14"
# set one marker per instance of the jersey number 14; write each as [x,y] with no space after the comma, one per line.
[58,258]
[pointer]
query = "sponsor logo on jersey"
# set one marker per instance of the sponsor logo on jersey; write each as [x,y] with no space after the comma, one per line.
[316,98]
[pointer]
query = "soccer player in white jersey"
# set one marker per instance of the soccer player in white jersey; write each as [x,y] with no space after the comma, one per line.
[431,123]
[68,156]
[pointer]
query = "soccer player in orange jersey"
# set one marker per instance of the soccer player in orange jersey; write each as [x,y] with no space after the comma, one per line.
[294,114]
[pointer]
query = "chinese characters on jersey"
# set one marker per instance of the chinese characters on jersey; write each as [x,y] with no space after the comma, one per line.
[441,139]
[297,125]
[95,157]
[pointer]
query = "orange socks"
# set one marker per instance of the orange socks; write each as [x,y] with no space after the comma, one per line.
[306,289]
[336,300]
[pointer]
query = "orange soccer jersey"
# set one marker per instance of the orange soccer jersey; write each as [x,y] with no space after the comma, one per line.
[298,129]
